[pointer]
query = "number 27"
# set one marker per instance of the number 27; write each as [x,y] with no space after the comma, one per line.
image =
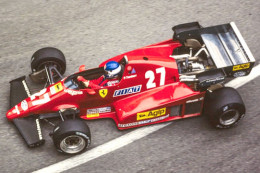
[150,75]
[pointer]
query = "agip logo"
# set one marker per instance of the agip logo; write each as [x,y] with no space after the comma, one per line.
[241,67]
[151,114]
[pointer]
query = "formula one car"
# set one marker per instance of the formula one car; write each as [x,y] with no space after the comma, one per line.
[174,79]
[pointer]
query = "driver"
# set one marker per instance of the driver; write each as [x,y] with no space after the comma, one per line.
[111,77]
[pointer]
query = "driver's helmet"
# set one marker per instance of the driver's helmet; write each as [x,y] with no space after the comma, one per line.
[112,69]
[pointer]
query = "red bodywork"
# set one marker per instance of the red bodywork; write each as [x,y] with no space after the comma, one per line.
[149,92]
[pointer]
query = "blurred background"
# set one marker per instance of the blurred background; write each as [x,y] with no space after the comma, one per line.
[89,32]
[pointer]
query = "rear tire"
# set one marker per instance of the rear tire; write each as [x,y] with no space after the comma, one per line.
[48,56]
[224,107]
[71,136]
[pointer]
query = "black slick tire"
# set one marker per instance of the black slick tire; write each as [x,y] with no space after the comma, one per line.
[224,107]
[48,56]
[71,136]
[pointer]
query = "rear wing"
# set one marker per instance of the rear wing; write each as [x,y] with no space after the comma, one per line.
[224,43]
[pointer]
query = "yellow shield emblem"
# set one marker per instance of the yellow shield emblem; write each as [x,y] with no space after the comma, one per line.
[103,93]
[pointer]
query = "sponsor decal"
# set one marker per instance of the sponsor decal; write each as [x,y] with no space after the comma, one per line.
[126,91]
[24,105]
[95,112]
[143,122]
[241,66]
[73,93]
[239,74]
[56,88]
[112,83]
[129,77]
[151,114]
[92,115]
[214,80]
[104,109]
[195,100]
[103,92]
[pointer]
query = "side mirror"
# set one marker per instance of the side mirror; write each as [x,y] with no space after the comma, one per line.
[91,91]
[82,68]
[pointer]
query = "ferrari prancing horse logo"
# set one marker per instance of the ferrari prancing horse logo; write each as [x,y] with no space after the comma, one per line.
[103,93]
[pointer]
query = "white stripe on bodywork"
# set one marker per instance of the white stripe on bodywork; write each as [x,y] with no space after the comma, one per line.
[17,110]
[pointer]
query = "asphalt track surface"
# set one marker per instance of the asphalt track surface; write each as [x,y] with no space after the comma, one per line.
[89,32]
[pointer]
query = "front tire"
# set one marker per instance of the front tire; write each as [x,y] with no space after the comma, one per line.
[224,107]
[71,136]
[48,56]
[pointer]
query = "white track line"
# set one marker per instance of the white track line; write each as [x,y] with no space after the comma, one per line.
[129,137]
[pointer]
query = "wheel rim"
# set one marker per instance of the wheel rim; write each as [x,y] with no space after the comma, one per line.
[229,117]
[72,144]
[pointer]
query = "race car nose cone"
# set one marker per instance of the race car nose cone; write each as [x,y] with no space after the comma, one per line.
[11,114]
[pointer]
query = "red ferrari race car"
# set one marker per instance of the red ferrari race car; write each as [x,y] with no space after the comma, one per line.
[178,78]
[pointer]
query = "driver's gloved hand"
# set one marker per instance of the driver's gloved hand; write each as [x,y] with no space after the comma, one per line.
[82,79]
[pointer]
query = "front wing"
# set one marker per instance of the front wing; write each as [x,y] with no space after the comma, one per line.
[28,127]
